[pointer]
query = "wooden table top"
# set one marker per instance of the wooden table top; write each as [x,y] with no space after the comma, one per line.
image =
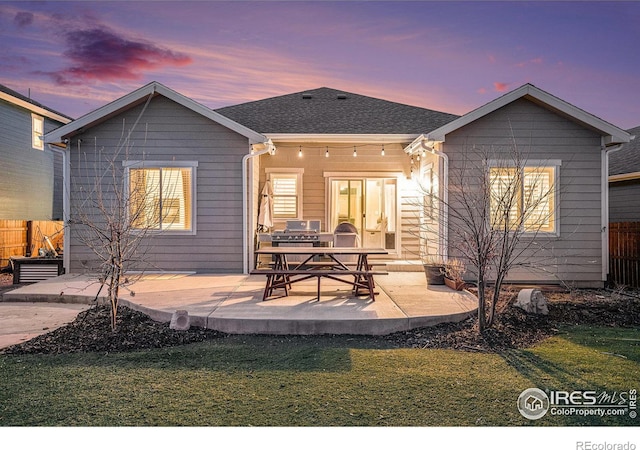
[321,251]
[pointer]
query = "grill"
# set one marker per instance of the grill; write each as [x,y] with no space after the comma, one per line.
[298,231]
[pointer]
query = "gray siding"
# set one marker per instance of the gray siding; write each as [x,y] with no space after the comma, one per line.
[575,255]
[624,201]
[26,174]
[170,132]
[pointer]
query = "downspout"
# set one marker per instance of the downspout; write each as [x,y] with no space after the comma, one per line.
[66,255]
[245,202]
[605,207]
[444,241]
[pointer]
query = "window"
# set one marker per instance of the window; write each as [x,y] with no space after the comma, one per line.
[523,198]
[287,193]
[162,198]
[37,126]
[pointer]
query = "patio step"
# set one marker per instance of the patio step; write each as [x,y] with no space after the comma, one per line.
[402,265]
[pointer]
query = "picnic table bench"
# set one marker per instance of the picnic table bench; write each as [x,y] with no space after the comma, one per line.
[282,275]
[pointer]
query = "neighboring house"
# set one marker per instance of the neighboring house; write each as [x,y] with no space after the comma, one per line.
[31,187]
[624,181]
[332,156]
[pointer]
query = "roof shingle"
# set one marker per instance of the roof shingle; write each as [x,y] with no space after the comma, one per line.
[330,111]
[24,98]
[627,159]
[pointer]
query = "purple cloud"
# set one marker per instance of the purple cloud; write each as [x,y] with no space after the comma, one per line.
[100,54]
[500,87]
[23,19]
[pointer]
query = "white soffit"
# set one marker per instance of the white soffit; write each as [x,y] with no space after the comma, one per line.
[342,138]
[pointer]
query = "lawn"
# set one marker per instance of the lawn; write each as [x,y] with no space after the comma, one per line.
[321,381]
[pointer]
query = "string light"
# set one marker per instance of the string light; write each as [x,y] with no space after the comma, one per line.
[382,151]
[354,151]
[326,152]
[411,167]
[300,152]
[424,153]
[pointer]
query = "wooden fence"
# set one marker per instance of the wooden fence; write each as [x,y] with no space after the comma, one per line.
[22,238]
[624,253]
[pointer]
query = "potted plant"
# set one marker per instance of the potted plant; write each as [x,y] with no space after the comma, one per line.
[453,271]
[434,269]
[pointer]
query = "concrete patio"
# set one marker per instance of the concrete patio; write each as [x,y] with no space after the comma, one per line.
[233,303]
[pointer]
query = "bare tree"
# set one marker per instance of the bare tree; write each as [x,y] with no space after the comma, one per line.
[496,197]
[112,213]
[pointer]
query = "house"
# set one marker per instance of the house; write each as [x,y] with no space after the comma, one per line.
[330,156]
[624,181]
[31,187]
[534,403]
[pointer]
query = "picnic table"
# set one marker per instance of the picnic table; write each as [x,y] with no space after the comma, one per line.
[320,262]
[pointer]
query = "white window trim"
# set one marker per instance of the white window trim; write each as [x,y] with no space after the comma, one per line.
[290,170]
[532,164]
[169,165]
[37,142]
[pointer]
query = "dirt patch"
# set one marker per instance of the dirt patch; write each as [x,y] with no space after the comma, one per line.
[91,331]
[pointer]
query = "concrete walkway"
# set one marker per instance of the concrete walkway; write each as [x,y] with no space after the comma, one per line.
[233,303]
[22,321]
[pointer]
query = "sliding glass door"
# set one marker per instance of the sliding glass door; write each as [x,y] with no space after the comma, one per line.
[370,204]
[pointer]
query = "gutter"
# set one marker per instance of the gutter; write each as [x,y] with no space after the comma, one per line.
[66,165]
[270,148]
[606,152]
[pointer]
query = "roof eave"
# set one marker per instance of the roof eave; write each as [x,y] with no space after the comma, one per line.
[34,108]
[612,134]
[339,137]
[133,98]
[624,177]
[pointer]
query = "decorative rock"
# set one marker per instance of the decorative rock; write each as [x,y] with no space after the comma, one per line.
[532,301]
[180,320]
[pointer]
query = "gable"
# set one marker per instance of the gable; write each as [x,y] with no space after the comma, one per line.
[531,124]
[610,134]
[141,96]
[164,129]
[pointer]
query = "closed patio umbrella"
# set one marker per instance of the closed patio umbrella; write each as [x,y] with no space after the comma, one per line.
[265,215]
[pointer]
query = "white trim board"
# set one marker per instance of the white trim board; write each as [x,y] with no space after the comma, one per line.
[135,97]
[612,134]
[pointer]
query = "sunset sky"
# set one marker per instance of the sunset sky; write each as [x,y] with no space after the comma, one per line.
[448,56]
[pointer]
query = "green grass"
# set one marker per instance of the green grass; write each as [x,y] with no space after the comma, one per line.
[270,381]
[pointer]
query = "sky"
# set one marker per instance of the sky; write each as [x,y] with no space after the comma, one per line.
[454,56]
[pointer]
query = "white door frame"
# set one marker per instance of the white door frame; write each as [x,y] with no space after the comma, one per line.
[398,176]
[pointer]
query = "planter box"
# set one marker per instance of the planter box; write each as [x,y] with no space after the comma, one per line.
[453,284]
